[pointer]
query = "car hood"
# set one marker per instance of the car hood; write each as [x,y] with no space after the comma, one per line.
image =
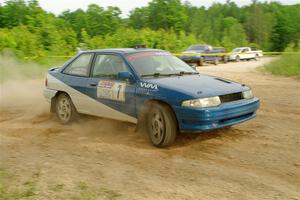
[195,86]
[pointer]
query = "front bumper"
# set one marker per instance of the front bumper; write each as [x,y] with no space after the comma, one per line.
[233,56]
[227,114]
[190,59]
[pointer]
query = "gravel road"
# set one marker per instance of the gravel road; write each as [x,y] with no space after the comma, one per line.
[105,159]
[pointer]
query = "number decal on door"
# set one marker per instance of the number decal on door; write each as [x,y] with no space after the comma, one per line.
[119,91]
[111,90]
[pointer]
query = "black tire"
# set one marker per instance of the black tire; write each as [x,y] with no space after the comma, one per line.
[237,59]
[161,125]
[64,109]
[225,59]
[216,61]
[256,57]
[200,62]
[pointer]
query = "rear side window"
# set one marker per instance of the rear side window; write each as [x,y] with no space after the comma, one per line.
[80,66]
[108,66]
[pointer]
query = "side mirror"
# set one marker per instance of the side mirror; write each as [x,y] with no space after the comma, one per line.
[125,76]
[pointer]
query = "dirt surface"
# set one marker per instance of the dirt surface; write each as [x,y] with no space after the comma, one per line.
[104,159]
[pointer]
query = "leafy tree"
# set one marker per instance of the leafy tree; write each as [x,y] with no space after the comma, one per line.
[166,14]
[139,18]
[78,20]
[28,30]
[233,33]
[258,24]
[13,13]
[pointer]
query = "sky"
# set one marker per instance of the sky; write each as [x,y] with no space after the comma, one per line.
[58,6]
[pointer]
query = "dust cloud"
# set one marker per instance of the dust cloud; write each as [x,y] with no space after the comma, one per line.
[21,85]
[22,101]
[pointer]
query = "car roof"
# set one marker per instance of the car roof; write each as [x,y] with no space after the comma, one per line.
[123,50]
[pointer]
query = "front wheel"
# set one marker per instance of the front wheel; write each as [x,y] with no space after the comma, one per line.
[237,59]
[64,109]
[162,125]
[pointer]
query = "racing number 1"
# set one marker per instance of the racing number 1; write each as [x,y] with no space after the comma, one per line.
[119,89]
[118,92]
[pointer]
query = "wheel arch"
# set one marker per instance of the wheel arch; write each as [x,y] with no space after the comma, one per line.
[53,100]
[147,105]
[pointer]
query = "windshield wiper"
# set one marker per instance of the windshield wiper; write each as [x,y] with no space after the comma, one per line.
[171,74]
[155,75]
[188,73]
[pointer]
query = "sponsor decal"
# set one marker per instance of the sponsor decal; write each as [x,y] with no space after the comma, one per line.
[105,84]
[111,90]
[148,85]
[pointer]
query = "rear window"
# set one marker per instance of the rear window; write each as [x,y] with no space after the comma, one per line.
[80,66]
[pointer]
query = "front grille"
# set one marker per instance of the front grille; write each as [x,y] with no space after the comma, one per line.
[231,97]
[236,118]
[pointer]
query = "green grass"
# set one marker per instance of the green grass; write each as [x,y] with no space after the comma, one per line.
[4,176]
[12,189]
[286,65]
[57,188]
[87,193]
[109,194]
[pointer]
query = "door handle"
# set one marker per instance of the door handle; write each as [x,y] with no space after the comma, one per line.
[93,84]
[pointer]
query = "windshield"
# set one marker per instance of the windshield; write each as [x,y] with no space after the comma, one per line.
[236,50]
[158,63]
[197,47]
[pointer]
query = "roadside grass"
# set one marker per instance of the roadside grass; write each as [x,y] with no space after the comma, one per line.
[12,188]
[86,193]
[8,190]
[109,194]
[57,188]
[286,65]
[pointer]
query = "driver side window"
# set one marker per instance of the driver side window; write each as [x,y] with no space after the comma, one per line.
[80,66]
[108,66]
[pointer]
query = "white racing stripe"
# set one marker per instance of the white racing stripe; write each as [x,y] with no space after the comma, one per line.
[87,105]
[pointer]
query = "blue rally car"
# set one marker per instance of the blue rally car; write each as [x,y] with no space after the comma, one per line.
[147,86]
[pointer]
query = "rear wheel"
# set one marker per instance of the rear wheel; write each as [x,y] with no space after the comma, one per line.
[200,62]
[65,109]
[162,125]
[225,59]
[256,57]
[237,59]
[216,61]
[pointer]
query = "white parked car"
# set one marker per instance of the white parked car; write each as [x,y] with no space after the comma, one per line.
[245,53]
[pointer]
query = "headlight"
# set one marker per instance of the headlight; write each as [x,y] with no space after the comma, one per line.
[248,94]
[203,102]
